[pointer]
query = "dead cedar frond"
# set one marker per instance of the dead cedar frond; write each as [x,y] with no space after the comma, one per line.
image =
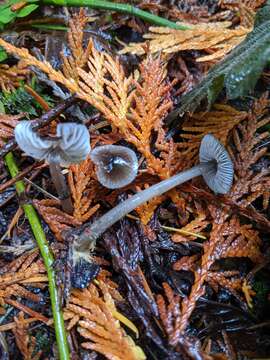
[57,220]
[23,271]
[244,9]
[229,280]
[215,38]
[11,76]
[24,341]
[186,263]
[235,4]
[151,104]
[83,185]
[19,291]
[93,311]
[135,108]
[219,122]
[107,74]
[12,325]
[83,190]
[191,13]
[146,210]
[228,238]
[170,314]
[44,66]
[248,293]
[169,307]
[195,226]
[79,55]
[107,285]
[7,125]
[252,180]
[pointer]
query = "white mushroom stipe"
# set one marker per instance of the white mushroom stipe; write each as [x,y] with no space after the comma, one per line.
[216,168]
[72,144]
[117,166]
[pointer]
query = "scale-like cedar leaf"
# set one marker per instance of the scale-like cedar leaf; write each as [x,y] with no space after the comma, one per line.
[94,310]
[216,38]
[238,72]
[25,343]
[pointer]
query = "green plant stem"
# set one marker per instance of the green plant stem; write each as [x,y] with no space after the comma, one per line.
[122,8]
[48,259]
[50,27]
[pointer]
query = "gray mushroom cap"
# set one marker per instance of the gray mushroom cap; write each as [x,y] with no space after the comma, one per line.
[71,145]
[117,166]
[216,165]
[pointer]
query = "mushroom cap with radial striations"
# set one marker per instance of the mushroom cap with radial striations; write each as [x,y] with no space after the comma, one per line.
[217,167]
[71,145]
[74,144]
[117,166]
[30,141]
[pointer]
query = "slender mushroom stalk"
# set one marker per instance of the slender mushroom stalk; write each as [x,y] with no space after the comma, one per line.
[61,187]
[215,166]
[71,145]
[117,166]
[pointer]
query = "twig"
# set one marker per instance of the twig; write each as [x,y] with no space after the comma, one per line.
[40,189]
[12,325]
[119,7]
[27,310]
[42,121]
[180,231]
[37,97]
[48,259]
[20,176]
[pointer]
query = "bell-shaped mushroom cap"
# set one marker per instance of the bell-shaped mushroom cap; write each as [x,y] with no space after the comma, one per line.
[117,166]
[74,144]
[30,141]
[217,167]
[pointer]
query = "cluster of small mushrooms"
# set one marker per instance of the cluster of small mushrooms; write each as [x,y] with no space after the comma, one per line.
[117,166]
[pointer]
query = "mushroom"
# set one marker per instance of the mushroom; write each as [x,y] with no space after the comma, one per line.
[117,166]
[71,145]
[215,166]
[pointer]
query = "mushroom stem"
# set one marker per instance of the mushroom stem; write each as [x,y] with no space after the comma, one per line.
[118,212]
[215,167]
[61,187]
